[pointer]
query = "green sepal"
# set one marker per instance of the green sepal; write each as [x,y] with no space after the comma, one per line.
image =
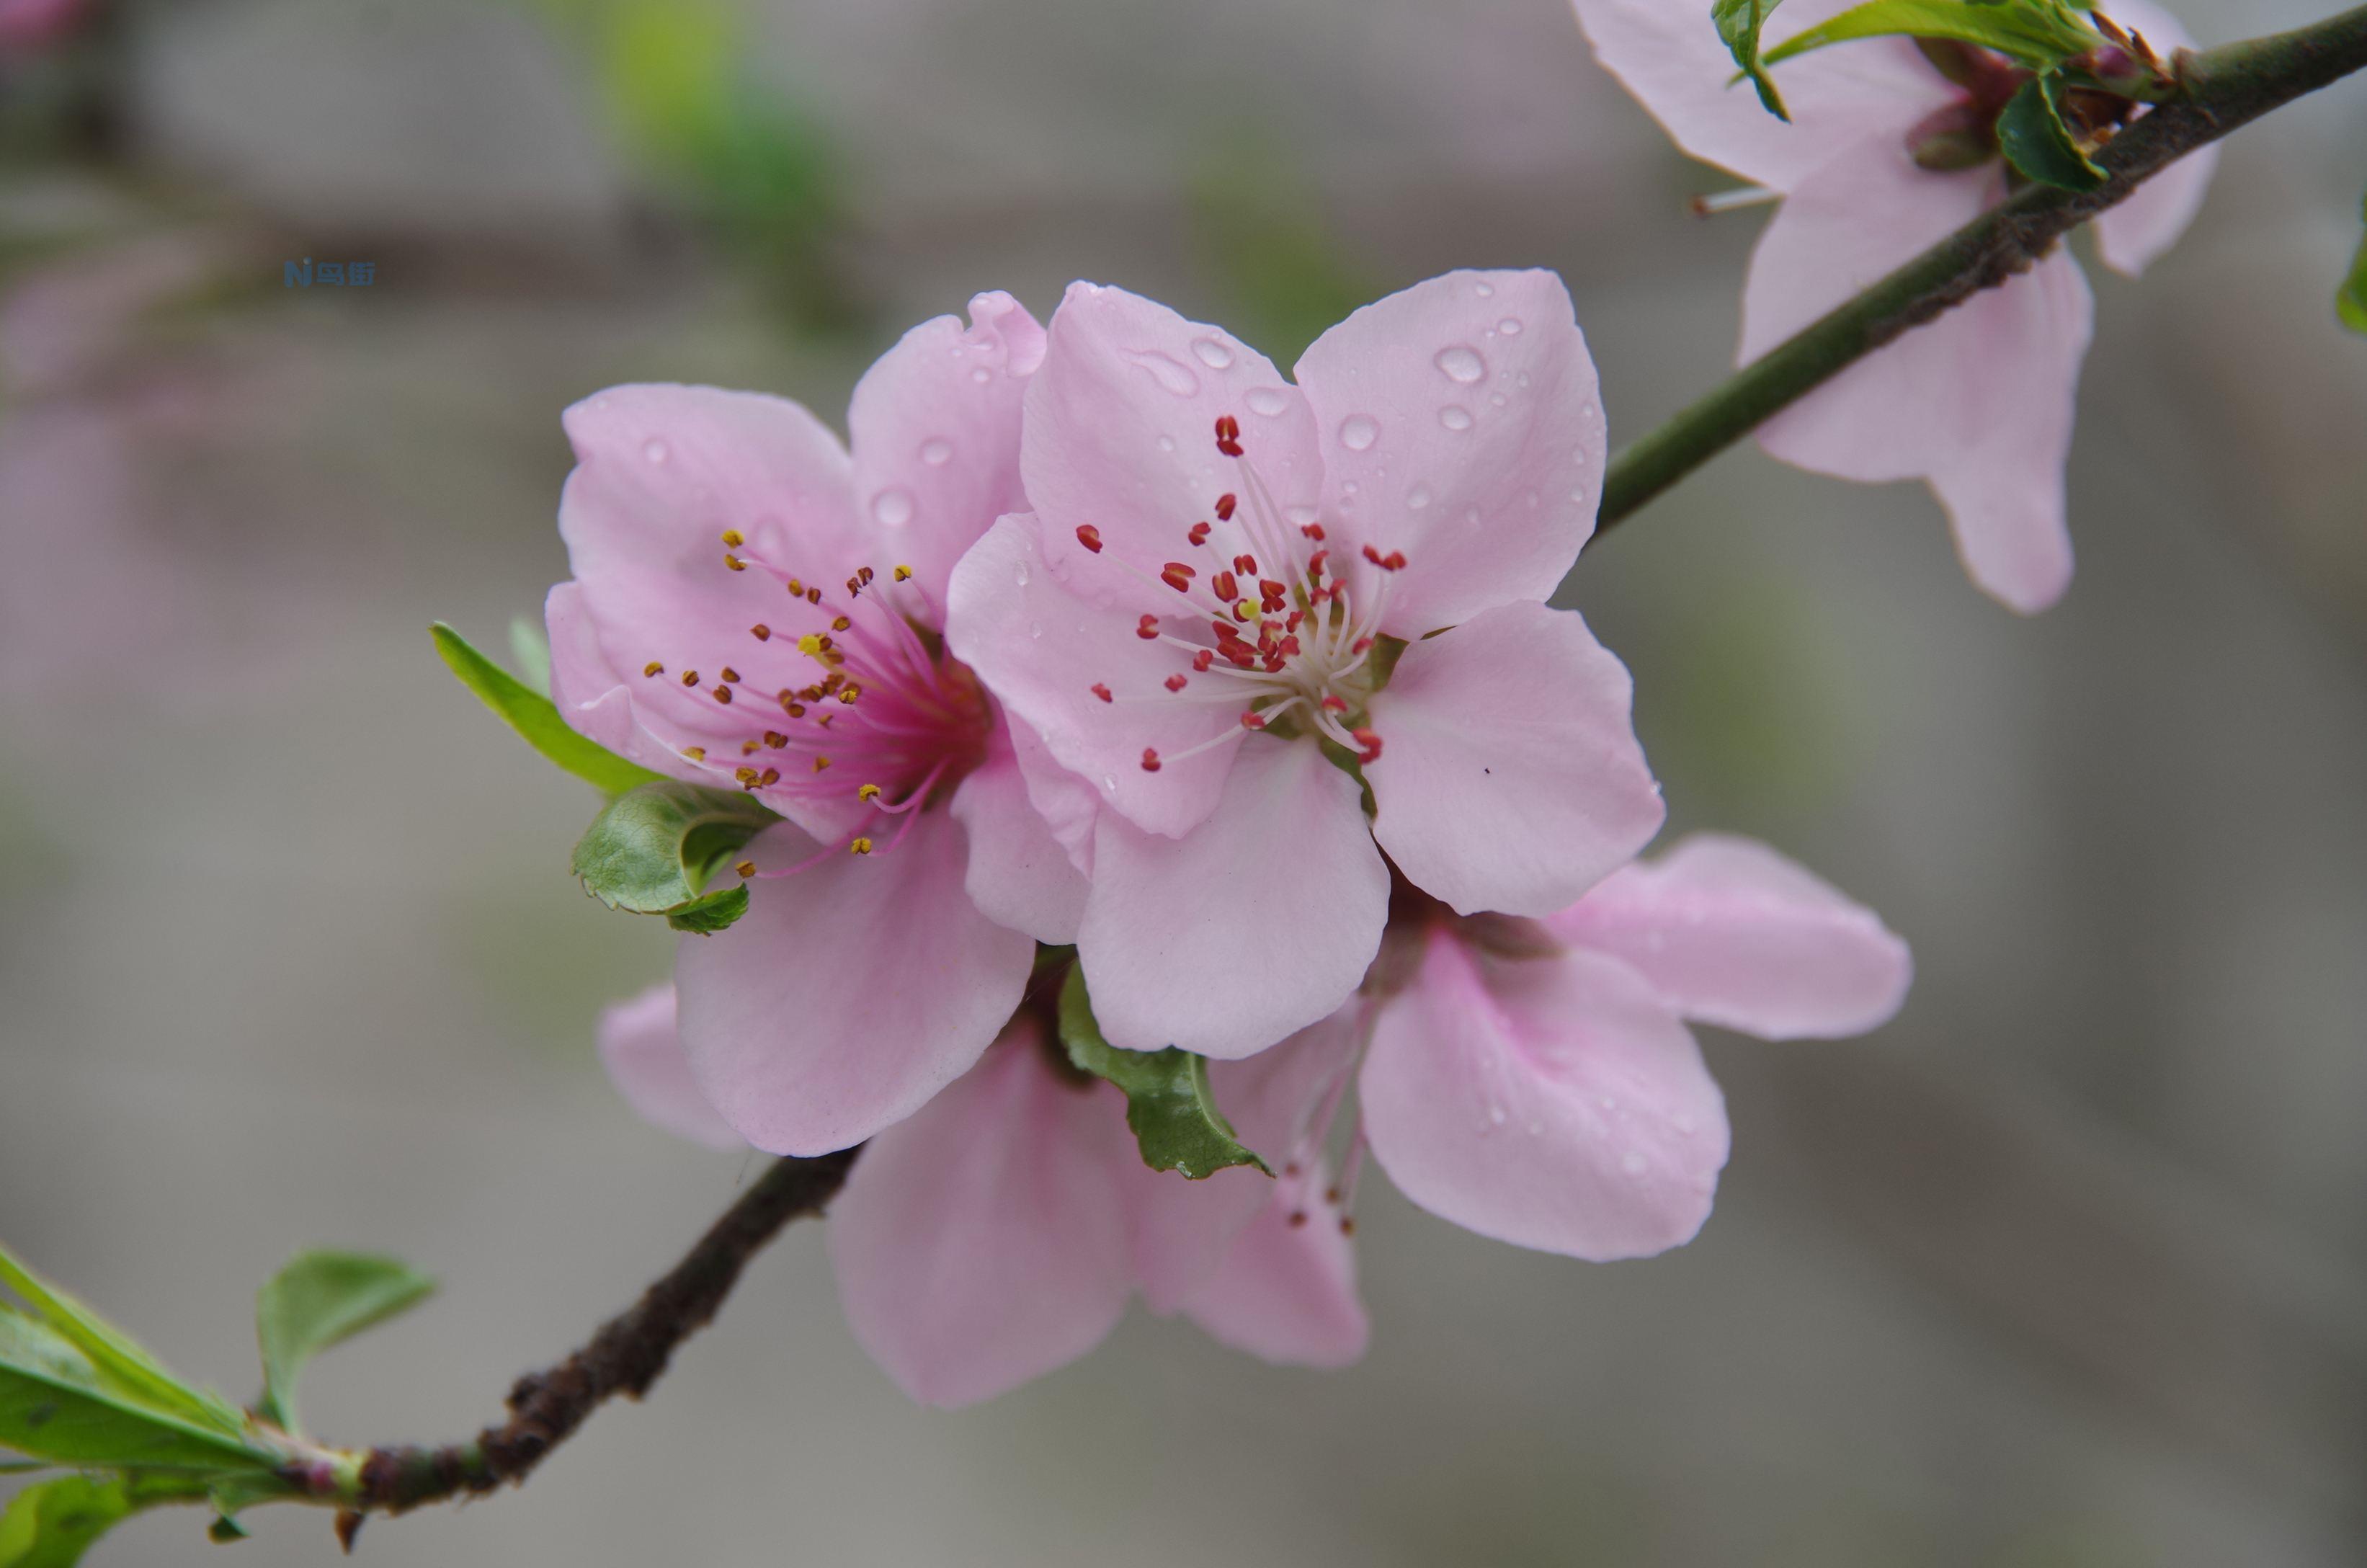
[1739,23]
[654,849]
[2350,300]
[2035,140]
[318,1300]
[57,1404]
[119,1363]
[2038,33]
[1176,1123]
[51,1525]
[532,715]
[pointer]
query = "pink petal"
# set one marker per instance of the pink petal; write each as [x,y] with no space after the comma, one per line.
[2130,236]
[1019,875]
[1121,431]
[1256,923]
[935,427]
[1286,1292]
[1510,777]
[1182,1229]
[981,1244]
[1552,1103]
[849,992]
[1042,636]
[643,1056]
[1068,804]
[1731,933]
[1979,401]
[596,699]
[1461,426]
[1668,53]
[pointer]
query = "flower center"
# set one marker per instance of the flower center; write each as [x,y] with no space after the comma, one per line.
[1262,617]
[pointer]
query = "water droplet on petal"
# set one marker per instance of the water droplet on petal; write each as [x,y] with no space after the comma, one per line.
[1166,443]
[1498,399]
[1495,1115]
[1036,629]
[657,451]
[1509,327]
[1417,498]
[1485,290]
[1462,363]
[1268,400]
[1213,354]
[1109,781]
[893,507]
[981,375]
[1577,456]
[937,451]
[1172,375]
[1358,432]
[1455,417]
[1020,576]
[1634,1163]
[1300,515]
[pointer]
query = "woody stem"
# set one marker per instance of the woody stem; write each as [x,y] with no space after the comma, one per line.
[2225,88]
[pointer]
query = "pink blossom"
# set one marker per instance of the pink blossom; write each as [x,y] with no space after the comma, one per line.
[33,24]
[999,1234]
[1979,403]
[755,606]
[1218,566]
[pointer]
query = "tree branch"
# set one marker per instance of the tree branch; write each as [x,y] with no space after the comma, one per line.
[2225,88]
[625,1356]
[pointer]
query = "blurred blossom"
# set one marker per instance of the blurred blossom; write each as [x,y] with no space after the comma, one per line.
[31,23]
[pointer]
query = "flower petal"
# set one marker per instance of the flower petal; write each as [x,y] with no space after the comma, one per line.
[1287,1291]
[1042,637]
[1019,875]
[1978,402]
[1462,426]
[1121,432]
[1552,1103]
[2131,233]
[1668,53]
[643,1056]
[1256,923]
[979,1244]
[1510,777]
[849,992]
[935,429]
[1731,933]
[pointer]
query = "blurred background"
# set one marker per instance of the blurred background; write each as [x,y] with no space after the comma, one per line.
[2067,1267]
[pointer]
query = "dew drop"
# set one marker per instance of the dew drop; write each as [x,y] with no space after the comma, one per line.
[937,451]
[1267,401]
[1455,417]
[1485,290]
[1171,374]
[1461,362]
[1634,1163]
[1509,327]
[1358,432]
[1020,576]
[1521,380]
[1577,456]
[1036,629]
[1498,399]
[657,451]
[981,375]
[1109,781]
[1417,498]
[893,507]
[1166,443]
[1300,515]
[1213,354]
[1495,1115]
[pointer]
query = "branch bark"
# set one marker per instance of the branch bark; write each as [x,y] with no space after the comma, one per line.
[2225,88]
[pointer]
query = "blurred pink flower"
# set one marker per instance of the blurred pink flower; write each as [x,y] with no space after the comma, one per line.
[999,1234]
[1979,403]
[31,23]
[1218,564]
[755,606]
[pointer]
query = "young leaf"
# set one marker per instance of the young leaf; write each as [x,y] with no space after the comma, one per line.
[653,849]
[2035,140]
[118,1360]
[531,715]
[2350,303]
[56,1403]
[1176,1123]
[51,1525]
[1739,23]
[2033,31]
[318,1300]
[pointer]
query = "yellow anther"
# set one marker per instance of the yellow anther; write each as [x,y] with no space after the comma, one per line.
[868,793]
[761,632]
[1244,610]
[690,678]
[769,778]
[819,762]
[797,589]
[848,696]
[809,644]
[841,624]
[746,867]
[774,739]
[695,753]
[745,774]
[903,573]
[730,676]
[734,537]
[861,846]
[653,668]
[734,562]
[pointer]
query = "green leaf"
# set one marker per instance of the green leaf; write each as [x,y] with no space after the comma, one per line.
[2034,139]
[1176,1120]
[652,851]
[2034,32]
[2350,303]
[531,715]
[317,1301]
[57,1404]
[530,652]
[120,1362]
[1739,23]
[51,1525]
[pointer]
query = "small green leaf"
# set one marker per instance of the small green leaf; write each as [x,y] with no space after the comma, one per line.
[318,1300]
[1176,1120]
[51,1525]
[531,715]
[653,849]
[56,1403]
[530,652]
[1739,23]
[2034,139]
[2034,32]
[2350,303]
[122,1363]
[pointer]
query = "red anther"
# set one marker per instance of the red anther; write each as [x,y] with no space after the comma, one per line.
[1102,692]
[1335,705]
[1312,530]
[1199,534]
[1289,648]
[1225,505]
[1361,644]
[1273,662]
[1177,576]
[1229,435]
[1370,742]
[1176,683]
[1089,537]
[1372,555]
[1204,658]
[1150,759]
[1315,563]
[1253,720]
[1147,629]
[1245,564]
[1227,589]
[1295,617]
